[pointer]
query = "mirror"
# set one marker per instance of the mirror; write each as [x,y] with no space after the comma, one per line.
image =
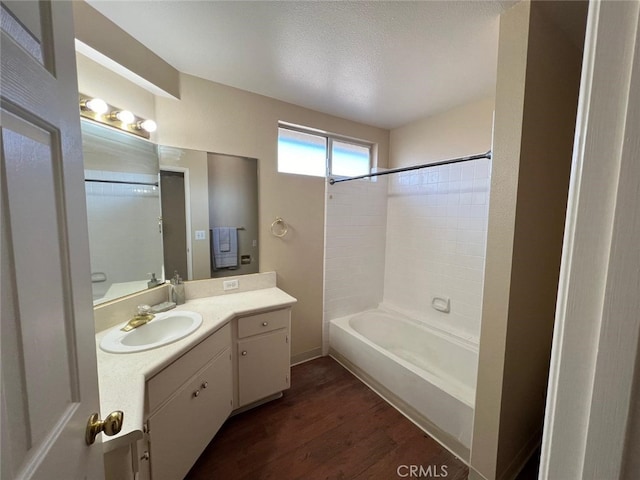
[158,209]
[221,212]
[123,211]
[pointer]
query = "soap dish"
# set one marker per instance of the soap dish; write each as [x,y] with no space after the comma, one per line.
[162,307]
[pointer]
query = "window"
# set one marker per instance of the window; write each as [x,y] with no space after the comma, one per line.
[350,159]
[301,153]
[307,153]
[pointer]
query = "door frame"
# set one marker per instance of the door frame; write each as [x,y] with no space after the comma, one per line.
[187,212]
[591,392]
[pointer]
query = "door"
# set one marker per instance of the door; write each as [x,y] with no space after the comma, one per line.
[49,379]
[174,223]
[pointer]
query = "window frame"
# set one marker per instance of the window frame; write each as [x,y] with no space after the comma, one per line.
[329,137]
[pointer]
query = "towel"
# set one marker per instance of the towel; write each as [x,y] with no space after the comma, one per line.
[224,239]
[224,248]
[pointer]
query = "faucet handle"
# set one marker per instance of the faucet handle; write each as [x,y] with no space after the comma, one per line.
[144,309]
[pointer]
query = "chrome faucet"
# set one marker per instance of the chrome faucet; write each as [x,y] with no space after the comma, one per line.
[143,317]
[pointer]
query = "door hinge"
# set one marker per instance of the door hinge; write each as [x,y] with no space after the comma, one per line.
[145,428]
[287,338]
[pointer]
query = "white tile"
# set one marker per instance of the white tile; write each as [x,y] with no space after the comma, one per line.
[444,187]
[467,171]
[455,172]
[443,173]
[479,211]
[431,200]
[427,236]
[481,185]
[482,169]
[466,198]
[479,198]
[475,249]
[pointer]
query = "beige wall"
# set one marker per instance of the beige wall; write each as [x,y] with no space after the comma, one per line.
[102,35]
[97,81]
[536,101]
[216,118]
[463,130]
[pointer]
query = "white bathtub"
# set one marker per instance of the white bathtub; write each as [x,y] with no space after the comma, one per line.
[428,375]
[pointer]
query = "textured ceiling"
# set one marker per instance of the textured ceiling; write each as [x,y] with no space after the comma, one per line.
[380,63]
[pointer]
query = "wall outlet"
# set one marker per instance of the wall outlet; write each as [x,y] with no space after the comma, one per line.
[230,284]
[201,235]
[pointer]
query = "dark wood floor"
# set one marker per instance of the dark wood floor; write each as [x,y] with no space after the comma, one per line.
[329,425]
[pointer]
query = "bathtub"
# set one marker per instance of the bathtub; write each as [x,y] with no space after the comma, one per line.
[427,374]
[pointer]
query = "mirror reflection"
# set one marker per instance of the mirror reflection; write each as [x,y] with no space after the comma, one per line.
[156,210]
[222,207]
[123,210]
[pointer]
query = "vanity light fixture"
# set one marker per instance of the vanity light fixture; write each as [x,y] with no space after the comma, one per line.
[100,111]
[147,125]
[124,116]
[96,105]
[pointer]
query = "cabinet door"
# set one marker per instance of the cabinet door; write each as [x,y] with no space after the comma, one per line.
[182,428]
[263,366]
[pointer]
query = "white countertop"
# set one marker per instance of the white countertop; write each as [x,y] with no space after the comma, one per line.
[122,376]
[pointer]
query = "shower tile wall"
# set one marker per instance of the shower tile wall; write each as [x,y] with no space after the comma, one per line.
[356,222]
[436,242]
[119,214]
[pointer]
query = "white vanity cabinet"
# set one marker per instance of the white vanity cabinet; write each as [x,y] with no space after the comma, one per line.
[245,361]
[263,355]
[187,403]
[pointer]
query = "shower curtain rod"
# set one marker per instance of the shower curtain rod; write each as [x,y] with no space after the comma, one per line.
[414,167]
[122,182]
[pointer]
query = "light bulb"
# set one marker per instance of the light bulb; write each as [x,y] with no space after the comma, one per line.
[97,105]
[125,116]
[148,125]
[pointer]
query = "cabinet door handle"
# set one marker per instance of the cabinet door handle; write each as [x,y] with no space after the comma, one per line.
[196,393]
[205,385]
[244,353]
[264,324]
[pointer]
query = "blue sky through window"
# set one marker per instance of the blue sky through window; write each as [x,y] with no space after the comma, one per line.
[306,154]
[350,160]
[301,153]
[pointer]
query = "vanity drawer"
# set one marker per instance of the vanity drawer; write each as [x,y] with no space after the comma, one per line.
[263,322]
[167,381]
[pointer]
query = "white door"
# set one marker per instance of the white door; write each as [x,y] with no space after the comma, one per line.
[49,380]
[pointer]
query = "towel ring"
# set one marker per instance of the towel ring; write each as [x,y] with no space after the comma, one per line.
[284,228]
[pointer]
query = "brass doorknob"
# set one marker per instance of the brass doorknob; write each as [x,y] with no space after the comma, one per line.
[110,425]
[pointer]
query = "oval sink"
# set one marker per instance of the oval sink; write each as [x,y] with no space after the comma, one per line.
[165,328]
